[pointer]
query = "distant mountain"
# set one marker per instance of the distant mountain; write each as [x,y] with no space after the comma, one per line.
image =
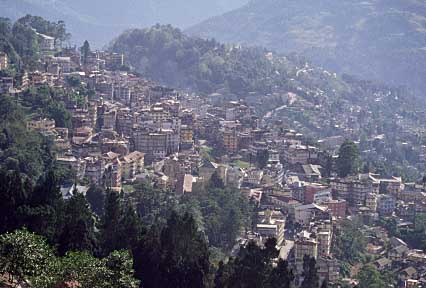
[374,39]
[100,20]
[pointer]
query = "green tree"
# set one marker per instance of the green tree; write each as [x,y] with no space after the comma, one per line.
[348,160]
[281,276]
[96,198]
[177,256]
[262,158]
[24,255]
[85,52]
[14,192]
[83,268]
[310,273]
[369,277]
[216,181]
[120,267]
[252,267]
[110,223]
[130,225]
[77,227]
[350,242]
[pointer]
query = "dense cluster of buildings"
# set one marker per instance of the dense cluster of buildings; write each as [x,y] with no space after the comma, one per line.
[130,128]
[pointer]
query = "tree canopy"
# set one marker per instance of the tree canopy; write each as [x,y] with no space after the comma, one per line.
[348,161]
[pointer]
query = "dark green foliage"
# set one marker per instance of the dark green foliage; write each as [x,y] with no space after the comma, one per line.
[348,161]
[310,273]
[24,255]
[96,198]
[120,225]
[350,242]
[27,256]
[369,277]
[414,237]
[281,276]
[167,55]
[176,256]
[85,52]
[130,226]
[73,81]
[253,268]
[56,30]
[47,102]
[21,42]
[14,190]
[25,43]
[225,213]
[20,149]
[153,205]
[120,265]
[109,234]
[262,158]
[216,182]
[78,227]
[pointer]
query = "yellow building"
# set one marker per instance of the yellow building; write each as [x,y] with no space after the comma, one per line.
[186,134]
[41,125]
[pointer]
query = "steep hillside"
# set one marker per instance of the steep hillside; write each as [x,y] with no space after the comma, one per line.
[375,39]
[167,55]
[99,20]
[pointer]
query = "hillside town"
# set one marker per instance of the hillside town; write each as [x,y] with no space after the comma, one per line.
[129,129]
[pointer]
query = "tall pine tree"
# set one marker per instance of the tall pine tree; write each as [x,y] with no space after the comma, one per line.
[176,257]
[78,227]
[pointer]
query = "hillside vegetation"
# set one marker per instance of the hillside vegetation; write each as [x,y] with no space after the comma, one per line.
[377,39]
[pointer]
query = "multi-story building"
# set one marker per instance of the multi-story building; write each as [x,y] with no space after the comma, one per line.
[110,119]
[123,94]
[75,164]
[352,189]
[337,207]
[230,140]
[304,214]
[155,145]
[304,245]
[6,84]
[113,60]
[272,230]
[95,169]
[392,185]
[47,43]
[324,243]
[124,123]
[43,125]
[186,137]
[386,204]
[4,61]
[300,154]
[132,165]
[371,202]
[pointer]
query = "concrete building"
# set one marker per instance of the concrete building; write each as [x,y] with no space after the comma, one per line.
[43,125]
[305,245]
[4,61]
[386,204]
[132,165]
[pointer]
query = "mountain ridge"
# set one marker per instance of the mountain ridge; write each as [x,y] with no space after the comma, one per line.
[99,22]
[377,39]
